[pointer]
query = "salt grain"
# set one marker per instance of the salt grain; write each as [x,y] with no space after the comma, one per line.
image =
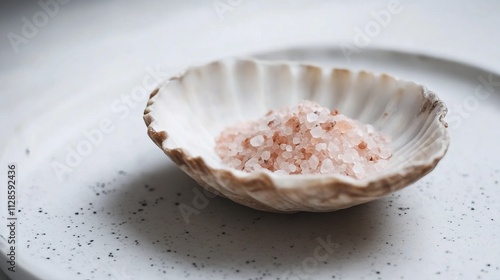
[312,117]
[313,162]
[265,155]
[320,146]
[317,132]
[305,139]
[257,141]
[327,166]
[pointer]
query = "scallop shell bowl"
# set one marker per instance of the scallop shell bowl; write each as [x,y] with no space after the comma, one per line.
[186,113]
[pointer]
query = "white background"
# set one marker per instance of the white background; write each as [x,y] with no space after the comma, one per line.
[88,43]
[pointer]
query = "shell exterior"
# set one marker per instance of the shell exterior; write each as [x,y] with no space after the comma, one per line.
[187,112]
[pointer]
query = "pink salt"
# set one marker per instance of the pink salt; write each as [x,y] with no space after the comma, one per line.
[305,139]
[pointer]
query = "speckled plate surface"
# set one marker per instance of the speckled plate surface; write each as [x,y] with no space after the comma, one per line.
[124,211]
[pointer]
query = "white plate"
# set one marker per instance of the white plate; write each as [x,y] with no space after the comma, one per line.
[116,214]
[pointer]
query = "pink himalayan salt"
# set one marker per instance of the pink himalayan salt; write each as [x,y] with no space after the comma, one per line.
[305,139]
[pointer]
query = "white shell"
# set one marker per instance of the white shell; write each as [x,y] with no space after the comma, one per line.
[186,113]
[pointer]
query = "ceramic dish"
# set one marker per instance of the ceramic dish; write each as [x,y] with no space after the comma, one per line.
[129,196]
[187,112]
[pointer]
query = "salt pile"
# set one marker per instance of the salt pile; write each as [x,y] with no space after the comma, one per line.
[305,139]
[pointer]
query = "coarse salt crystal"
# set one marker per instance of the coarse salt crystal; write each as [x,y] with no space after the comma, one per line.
[251,162]
[288,131]
[370,129]
[326,166]
[235,161]
[317,132]
[312,117]
[343,126]
[304,166]
[286,155]
[320,147]
[313,162]
[257,141]
[284,166]
[322,118]
[265,155]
